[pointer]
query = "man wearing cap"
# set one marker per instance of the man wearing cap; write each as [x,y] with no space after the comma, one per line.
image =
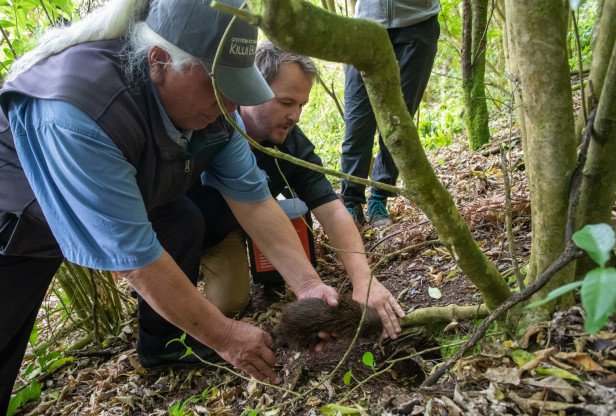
[104,125]
[274,123]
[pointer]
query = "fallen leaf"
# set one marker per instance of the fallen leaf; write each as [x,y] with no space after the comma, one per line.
[558,372]
[435,293]
[506,375]
[557,385]
[335,410]
[525,340]
[521,357]
[582,360]
[545,405]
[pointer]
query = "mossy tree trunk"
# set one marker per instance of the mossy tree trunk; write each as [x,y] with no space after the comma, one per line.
[539,52]
[474,41]
[599,178]
[300,27]
[602,44]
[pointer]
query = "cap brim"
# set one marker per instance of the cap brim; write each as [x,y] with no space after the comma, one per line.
[243,86]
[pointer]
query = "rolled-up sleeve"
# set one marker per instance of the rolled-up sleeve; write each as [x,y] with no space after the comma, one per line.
[84,185]
[234,172]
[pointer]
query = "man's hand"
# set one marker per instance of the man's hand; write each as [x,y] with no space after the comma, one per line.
[320,291]
[247,348]
[385,304]
[329,295]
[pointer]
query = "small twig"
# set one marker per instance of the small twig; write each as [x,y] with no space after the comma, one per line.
[387,237]
[382,239]
[402,251]
[509,220]
[51,22]
[330,91]
[576,177]
[106,353]
[8,41]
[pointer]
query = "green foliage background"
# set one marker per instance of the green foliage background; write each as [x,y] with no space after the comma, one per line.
[22,21]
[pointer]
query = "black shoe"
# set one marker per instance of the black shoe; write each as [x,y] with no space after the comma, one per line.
[356,212]
[178,358]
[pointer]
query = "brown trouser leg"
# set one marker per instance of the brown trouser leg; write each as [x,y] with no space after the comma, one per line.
[225,271]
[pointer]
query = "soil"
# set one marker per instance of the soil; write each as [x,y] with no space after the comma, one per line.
[115,383]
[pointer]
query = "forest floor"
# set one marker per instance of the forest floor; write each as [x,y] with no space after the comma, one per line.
[554,369]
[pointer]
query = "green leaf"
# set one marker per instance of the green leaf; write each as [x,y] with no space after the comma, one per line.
[34,335]
[336,409]
[597,241]
[189,351]
[29,393]
[557,372]
[559,291]
[598,297]
[346,379]
[59,362]
[368,359]
[521,357]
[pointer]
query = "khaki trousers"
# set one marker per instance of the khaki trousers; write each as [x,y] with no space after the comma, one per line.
[225,272]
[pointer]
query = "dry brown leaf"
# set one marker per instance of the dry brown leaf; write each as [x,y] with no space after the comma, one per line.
[506,375]
[525,340]
[581,360]
[540,356]
[528,405]
[557,385]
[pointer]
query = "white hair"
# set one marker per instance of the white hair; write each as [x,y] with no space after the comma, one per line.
[141,40]
[110,21]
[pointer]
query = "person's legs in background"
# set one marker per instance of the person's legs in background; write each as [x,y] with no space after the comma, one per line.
[360,127]
[415,49]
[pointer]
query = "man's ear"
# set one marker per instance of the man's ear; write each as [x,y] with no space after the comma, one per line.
[158,60]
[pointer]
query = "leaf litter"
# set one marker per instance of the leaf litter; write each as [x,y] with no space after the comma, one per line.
[552,369]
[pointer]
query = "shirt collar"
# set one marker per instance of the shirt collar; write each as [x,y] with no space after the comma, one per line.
[179,136]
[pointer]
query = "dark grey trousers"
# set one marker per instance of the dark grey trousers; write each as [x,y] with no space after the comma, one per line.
[24,281]
[415,48]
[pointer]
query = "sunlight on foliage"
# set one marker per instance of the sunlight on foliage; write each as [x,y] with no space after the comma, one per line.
[22,21]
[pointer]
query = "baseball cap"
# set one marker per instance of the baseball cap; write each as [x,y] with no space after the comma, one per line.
[196,28]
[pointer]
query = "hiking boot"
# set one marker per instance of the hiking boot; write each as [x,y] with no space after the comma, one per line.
[378,216]
[356,212]
[177,358]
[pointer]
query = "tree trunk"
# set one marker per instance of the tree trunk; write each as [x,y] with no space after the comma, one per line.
[538,49]
[513,74]
[474,33]
[305,29]
[599,180]
[602,51]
